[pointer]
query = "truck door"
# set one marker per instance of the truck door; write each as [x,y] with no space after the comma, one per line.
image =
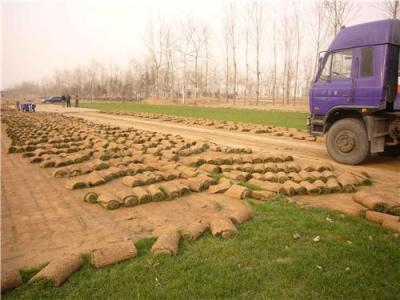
[334,85]
[368,82]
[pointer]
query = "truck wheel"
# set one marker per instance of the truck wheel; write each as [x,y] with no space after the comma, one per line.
[347,141]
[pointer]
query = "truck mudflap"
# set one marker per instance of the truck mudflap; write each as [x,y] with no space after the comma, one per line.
[377,130]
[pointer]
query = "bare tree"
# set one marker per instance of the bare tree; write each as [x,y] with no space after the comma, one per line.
[275,67]
[338,11]
[247,41]
[92,73]
[196,42]
[257,21]
[184,50]
[169,50]
[207,55]
[231,31]
[287,63]
[225,32]
[390,8]
[298,27]
[319,28]
[155,45]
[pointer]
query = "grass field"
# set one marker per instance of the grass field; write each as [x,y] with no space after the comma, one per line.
[353,260]
[286,119]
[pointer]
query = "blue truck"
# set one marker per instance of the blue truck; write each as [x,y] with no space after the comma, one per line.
[355,96]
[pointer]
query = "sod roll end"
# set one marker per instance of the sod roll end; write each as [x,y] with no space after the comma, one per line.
[167,243]
[10,280]
[59,269]
[113,254]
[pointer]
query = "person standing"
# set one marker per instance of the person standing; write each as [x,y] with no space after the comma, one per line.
[68,98]
[77,101]
[63,100]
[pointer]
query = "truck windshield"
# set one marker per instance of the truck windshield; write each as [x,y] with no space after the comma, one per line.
[341,64]
[337,66]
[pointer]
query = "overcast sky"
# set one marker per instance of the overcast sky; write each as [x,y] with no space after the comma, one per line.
[39,37]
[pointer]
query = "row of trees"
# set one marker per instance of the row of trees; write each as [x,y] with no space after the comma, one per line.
[261,51]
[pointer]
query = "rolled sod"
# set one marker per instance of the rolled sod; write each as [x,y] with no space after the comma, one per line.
[73,184]
[237,175]
[282,177]
[155,193]
[170,189]
[209,168]
[59,269]
[238,192]
[133,181]
[222,186]
[270,176]
[299,189]
[183,187]
[311,188]
[262,195]
[198,183]
[109,200]
[266,185]
[167,243]
[328,174]
[287,188]
[141,194]
[127,197]
[113,254]
[306,176]
[61,172]
[373,201]
[363,178]
[242,214]
[94,179]
[348,182]
[333,185]
[392,225]
[322,186]
[194,230]
[90,197]
[394,210]
[378,217]
[10,280]
[222,226]
[294,176]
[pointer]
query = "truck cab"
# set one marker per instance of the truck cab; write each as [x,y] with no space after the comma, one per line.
[355,96]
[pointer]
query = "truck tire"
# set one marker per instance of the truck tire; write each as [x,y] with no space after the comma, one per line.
[347,141]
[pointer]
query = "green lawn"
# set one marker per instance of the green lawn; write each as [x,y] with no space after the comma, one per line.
[286,119]
[263,262]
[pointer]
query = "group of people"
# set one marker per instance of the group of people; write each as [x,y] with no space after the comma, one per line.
[27,106]
[67,100]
